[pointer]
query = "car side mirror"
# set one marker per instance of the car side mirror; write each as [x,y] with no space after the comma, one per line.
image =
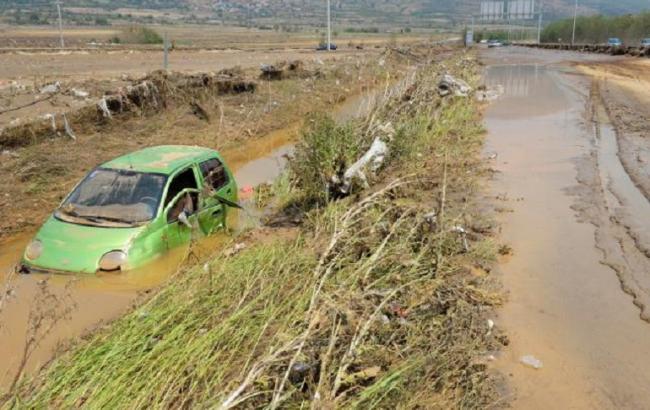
[183,218]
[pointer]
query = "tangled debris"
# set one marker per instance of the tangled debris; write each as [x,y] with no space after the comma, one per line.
[149,95]
[451,85]
[284,70]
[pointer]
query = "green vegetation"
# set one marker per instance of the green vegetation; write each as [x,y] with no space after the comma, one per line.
[379,299]
[139,35]
[597,29]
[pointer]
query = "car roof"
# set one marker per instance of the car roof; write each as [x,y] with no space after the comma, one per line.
[164,159]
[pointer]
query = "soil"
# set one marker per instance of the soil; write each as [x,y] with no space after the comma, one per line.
[578,230]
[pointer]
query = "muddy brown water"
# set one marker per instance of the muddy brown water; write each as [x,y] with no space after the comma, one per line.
[564,184]
[98,299]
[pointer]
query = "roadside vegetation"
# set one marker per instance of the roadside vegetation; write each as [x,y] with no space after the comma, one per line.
[379,298]
[136,34]
[597,29]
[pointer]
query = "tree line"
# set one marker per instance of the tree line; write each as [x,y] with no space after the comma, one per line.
[597,29]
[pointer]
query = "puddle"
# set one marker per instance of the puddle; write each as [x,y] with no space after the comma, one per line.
[529,90]
[565,307]
[100,298]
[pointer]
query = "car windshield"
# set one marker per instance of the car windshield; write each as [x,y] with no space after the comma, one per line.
[115,196]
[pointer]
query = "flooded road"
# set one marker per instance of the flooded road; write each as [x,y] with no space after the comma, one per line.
[73,306]
[569,305]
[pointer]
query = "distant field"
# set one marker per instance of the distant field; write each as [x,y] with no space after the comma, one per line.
[198,36]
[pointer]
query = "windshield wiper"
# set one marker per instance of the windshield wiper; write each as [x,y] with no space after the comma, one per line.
[97,218]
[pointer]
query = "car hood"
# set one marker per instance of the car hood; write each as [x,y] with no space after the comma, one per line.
[69,247]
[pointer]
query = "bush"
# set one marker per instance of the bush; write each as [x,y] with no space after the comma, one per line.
[140,35]
[325,150]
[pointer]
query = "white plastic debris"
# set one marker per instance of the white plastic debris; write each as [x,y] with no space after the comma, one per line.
[51,88]
[463,233]
[532,361]
[52,119]
[451,85]
[373,158]
[79,93]
[68,129]
[103,107]
[490,325]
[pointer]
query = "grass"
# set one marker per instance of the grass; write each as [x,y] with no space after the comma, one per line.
[373,305]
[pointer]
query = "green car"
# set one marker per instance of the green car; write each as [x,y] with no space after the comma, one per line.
[133,209]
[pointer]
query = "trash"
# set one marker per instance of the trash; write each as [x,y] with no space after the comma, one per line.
[299,372]
[372,159]
[463,233]
[52,118]
[490,325]
[68,129]
[235,249]
[51,88]
[103,107]
[79,93]
[449,84]
[489,93]
[531,361]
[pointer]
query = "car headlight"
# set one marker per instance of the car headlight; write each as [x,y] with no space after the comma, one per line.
[112,261]
[34,250]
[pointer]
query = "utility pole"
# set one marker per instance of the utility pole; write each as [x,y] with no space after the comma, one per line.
[329,25]
[575,17]
[166,52]
[58,8]
[539,23]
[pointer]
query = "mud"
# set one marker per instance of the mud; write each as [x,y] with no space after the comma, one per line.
[567,305]
[624,91]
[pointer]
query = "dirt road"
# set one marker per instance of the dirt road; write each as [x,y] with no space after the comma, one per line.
[578,226]
[80,65]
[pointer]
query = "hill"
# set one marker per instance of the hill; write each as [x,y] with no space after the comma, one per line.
[352,13]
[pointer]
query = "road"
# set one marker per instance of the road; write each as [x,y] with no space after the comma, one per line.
[578,226]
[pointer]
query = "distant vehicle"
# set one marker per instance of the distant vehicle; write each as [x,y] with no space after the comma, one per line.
[494,43]
[127,212]
[645,42]
[614,42]
[484,41]
[323,47]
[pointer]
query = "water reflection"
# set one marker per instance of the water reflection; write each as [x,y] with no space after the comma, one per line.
[528,90]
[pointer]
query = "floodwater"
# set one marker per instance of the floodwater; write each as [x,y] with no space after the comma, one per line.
[566,307]
[82,304]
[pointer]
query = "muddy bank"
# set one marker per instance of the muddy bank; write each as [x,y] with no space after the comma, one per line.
[566,307]
[624,92]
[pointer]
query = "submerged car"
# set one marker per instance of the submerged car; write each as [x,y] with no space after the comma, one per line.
[133,209]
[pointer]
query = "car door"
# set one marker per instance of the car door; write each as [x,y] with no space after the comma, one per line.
[215,180]
[182,196]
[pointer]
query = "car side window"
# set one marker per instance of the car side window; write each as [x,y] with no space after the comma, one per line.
[214,173]
[184,180]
